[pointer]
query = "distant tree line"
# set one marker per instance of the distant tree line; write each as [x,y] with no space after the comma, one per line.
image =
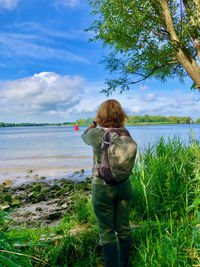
[132,120]
[146,119]
[83,122]
[159,119]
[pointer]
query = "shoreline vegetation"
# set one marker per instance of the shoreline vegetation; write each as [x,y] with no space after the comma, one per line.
[165,216]
[132,120]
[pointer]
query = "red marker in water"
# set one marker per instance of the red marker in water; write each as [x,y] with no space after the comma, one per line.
[76,127]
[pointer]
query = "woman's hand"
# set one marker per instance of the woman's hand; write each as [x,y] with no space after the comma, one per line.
[93,125]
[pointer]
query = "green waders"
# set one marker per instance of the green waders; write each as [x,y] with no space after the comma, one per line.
[112,208]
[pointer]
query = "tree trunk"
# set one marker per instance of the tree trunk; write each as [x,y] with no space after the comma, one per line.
[183,55]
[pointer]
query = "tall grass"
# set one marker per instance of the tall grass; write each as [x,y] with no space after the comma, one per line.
[166,179]
[166,183]
[165,207]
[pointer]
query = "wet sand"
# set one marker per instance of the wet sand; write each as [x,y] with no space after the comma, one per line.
[26,175]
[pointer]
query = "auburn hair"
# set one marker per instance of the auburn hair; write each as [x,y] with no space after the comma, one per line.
[110,114]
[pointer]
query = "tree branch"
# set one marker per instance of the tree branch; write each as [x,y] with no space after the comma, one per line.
[192,23]
[153,70]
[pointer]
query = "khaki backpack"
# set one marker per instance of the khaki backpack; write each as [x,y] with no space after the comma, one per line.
[119,153]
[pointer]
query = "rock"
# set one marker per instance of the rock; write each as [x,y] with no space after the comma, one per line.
[60,203]
[27,214]
[32,195]
[20,187]
[29,171]
[38,208]
[41,197]
[37,188]
[64,206]
[35,177]
[8,198]
[53,216]
[56,200]
[42,177]
[55,187]
[8,183]
[88,179]
[49,203]
[5,207]
[76,172]
[16,202]
[35,218]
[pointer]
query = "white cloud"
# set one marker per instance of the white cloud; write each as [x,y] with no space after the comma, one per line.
[50,97]
[44,93]
[8,4]
[187,100]
[136,109]
[144,87]
[67,3]
[149,97]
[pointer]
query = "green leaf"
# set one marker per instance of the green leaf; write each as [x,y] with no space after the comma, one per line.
[8,262]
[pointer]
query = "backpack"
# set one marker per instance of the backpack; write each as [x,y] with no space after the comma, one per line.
[119,153]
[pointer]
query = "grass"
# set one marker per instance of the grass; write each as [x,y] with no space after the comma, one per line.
[166,184]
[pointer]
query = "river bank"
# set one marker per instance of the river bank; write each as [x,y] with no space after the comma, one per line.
[61,228]
[42,202]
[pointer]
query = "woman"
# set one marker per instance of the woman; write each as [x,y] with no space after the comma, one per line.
[111,203]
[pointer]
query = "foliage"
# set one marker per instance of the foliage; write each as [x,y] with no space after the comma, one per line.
[10,254]
[146,41]
[136,119]
[158,119]
[165,179]
[83,122]
[165,209]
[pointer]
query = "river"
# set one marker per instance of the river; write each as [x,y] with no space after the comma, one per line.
[56,152]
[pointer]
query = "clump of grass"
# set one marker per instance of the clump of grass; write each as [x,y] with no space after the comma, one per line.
[166,185]
[165,179]
[10,252]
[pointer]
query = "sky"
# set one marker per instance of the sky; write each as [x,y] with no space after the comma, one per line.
[50,72]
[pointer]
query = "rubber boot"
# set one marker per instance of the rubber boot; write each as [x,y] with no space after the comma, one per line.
[124,252]
[110,255]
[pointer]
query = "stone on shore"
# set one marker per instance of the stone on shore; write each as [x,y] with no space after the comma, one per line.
[8,183]
[43,202]
[37,188]
[53,216]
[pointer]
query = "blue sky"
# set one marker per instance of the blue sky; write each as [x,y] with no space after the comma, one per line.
[49,72]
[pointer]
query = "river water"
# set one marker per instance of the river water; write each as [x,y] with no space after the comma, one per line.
[56,152]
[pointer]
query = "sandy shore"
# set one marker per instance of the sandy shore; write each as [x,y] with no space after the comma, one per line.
[27,175]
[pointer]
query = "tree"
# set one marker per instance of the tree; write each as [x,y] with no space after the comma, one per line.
[148,38]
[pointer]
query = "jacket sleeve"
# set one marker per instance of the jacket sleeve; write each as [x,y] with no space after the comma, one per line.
[87,136]
[92,137]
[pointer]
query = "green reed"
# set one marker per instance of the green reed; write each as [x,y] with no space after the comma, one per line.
[166,178]
[166,183]
[165,207]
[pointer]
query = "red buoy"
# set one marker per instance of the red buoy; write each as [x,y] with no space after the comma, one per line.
[76,127]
